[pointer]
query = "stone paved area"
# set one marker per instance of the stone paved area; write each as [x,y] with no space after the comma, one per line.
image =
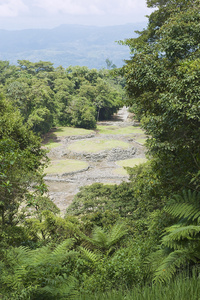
[62,188]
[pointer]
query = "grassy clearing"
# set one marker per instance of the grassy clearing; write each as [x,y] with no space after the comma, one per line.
[131,162]
[51,144]
[96,146]
[70,131]
[127,163]
[129,130]
[65,166]
[141,140]
[120,171]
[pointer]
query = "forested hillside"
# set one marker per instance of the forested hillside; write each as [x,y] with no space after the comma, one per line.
[68,45]
[135,240]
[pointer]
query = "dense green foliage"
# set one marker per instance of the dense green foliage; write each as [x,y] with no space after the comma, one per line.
[163,85]
[180,244]
[139,239]
[48,96]
[21,163]
[183,288]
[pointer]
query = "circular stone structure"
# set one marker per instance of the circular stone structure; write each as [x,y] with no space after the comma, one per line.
[131,162]
[128,163]
[95,146]
[66,166]
[98,166]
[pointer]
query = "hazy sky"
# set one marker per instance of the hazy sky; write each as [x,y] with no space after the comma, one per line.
[22,14]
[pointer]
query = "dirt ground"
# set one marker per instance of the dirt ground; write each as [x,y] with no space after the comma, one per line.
[62,188]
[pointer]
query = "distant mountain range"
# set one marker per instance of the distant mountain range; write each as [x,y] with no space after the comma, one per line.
[69,45]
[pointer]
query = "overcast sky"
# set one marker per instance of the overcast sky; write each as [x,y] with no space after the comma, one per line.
[23,14]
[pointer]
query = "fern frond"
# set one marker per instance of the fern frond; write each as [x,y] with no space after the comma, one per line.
[24,293]
[187,206]
[46,255]
[191,196]
[18,255]
[155,259]
[103,240]
[99,238]
[65,245]
[91,256]
[61,286]
[118,231]
[61,251]
[60,280]
[170,265]
[184,210]
[188,196]
[39,255]
[181,239]
[179,233]
[17,279]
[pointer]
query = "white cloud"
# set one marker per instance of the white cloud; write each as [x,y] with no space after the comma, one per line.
[18,14]
[72,7]
[129,6]
[91,7]
[12,8]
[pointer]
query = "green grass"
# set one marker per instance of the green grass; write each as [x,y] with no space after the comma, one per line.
[120,171]
[129,130]
[131,162]
[95,146]
[183,288]
[51,144]
[70,131]
[65,166]
[141,140]
[127,163]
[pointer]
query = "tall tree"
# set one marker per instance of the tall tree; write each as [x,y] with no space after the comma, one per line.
[21,163]
[163,85]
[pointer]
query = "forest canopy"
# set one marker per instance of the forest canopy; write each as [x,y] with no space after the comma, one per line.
[48,96]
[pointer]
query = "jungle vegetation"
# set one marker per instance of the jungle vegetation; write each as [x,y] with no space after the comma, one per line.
[47,97]
[136,240]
